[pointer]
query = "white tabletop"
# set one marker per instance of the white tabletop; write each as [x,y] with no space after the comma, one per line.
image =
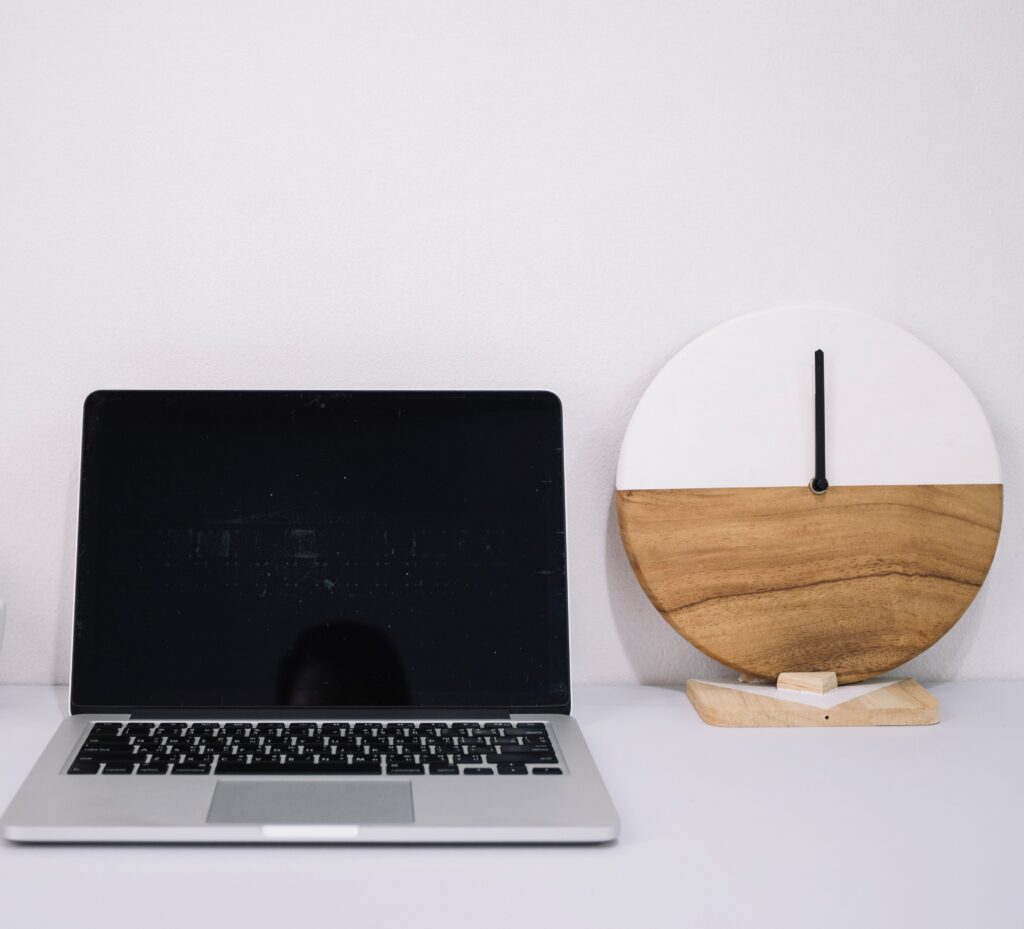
[720,827]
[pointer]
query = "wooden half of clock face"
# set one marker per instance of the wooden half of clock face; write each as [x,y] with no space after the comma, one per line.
[721,521]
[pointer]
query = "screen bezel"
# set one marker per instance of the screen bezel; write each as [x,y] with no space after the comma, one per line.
[80,704]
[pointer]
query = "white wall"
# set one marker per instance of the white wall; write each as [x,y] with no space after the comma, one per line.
[492,194]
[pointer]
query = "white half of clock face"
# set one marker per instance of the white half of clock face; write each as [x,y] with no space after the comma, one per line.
[735,408]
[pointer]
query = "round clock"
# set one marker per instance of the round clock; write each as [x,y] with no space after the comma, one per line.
[809,490]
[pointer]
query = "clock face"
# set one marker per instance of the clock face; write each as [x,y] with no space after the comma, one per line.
[809,490]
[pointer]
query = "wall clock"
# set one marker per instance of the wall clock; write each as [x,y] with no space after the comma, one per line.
[809,490]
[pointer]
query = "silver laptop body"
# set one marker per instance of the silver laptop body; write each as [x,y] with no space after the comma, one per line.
[318,616]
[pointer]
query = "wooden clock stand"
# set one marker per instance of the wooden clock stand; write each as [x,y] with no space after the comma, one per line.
[812,699]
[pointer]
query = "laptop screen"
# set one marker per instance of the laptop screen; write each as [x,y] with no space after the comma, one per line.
[263,549]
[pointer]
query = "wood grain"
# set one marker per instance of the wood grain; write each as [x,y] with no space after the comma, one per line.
[771,579]
[902,703]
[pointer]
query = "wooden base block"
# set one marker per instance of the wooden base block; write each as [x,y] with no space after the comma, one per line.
[897,703]
[811,682]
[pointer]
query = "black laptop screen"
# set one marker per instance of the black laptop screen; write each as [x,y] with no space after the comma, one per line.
[260,549]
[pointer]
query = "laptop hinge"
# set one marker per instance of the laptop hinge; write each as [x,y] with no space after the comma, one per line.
[313,712]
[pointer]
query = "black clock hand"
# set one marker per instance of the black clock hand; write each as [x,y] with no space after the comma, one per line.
[819,483]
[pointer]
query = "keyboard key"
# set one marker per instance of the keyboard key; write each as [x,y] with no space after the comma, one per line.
[478,771]
[141,742]
[118,768]
[405,769]
[235,767]
[84,767]
[547,770]
[235,729]
[119,758]
[359,766]
[160,768]
[106,748]
[523,757]
[512,769]
[444,769]
[191,769]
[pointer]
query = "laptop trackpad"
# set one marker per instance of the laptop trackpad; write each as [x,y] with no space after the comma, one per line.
[306,803]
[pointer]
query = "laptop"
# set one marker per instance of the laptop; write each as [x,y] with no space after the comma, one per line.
[319,616]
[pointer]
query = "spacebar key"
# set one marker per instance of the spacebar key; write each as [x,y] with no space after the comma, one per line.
[240,767]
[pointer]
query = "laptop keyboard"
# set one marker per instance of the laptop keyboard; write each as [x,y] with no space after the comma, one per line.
[396,748]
